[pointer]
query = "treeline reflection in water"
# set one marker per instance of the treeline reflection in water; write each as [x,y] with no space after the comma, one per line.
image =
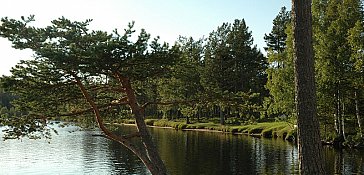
[185,152]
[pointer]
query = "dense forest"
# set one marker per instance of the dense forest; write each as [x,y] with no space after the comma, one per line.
[223,77]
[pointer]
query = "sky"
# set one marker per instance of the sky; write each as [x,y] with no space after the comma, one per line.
[168,19]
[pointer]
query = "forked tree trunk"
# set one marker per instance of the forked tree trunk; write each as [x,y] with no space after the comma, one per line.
[158,167]
[150,156]
[309,142]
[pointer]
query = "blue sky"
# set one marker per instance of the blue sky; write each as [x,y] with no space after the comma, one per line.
[165,18]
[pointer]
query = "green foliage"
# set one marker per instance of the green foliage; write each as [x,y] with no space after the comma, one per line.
[5,98]
[184,85]
[221,79]
[276,39]
[337,46]
[268,129]
[234,70]
[280,71]
[356,42]
[67,52]
[230,53]
[338,42]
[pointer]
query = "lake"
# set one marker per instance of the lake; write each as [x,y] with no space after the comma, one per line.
[75,151]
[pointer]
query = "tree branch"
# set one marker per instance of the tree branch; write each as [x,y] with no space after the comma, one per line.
[113,103]
[127,137]
[107,88]
[167,103]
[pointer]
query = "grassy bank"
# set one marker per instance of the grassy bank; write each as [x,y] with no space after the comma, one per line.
[282,130]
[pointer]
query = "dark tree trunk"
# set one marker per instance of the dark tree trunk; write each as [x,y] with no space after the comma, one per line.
[149,156]
[309,142]
[222,118]
[157,166]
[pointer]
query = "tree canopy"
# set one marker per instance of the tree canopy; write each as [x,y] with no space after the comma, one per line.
[77,72]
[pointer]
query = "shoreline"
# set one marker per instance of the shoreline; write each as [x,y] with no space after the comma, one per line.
[198,130]
[256,135]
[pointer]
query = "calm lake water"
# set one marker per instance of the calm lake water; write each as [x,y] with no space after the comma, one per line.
[189,152]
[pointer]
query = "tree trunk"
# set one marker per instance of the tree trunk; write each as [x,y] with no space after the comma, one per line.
[152,151]
[155,167]
[187,119]
[337,115]
[357,112]
[222,118]
[339,123]
[343,121]
[309,142]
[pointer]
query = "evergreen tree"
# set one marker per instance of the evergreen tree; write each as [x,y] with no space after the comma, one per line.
[72,66]
[280,70]
[233,67]
[309,140]
[183,87]
[276,39]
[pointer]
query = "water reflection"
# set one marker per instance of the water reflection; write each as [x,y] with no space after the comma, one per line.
[215,153]
[183,152]
[344,161]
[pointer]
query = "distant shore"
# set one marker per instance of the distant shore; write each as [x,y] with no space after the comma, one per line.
[281,130]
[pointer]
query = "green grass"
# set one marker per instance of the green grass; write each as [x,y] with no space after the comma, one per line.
[267,129]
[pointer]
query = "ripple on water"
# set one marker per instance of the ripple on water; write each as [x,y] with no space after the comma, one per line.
[187,153]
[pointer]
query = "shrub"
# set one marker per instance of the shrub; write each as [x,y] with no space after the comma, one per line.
[181,126]
[150,122]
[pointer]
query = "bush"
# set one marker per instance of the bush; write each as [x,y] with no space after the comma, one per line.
[190,127]
[232,121]
[150,122]
[267,129]
[233,129]
[181,126]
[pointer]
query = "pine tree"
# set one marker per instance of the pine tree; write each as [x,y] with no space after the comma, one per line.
[72,66]
[233,67]
[280,72]
[276,39]
[309,141]
[184,84]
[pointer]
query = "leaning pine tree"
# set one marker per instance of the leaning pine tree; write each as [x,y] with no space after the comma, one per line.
[77,71]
